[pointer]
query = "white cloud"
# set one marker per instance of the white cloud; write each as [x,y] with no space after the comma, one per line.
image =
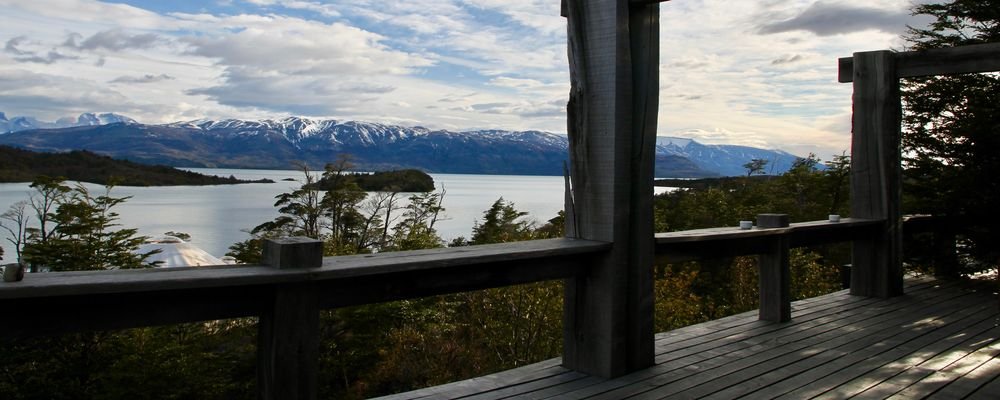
[721,75]
[294,46]
[438,63]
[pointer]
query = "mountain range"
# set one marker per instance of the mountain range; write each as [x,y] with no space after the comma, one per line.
[279,143]
[86,119]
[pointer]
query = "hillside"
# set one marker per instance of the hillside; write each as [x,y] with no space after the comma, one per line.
[17,165]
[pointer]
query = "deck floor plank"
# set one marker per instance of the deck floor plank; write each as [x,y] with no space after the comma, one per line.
[936,380]
[716,346]
[779,351]
[911,373]
[882,382]
[742,350]
[857,369]
[988,391]
[844,350]
[940,340]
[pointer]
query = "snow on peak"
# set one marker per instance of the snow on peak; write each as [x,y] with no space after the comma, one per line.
[672,141]
[90,119]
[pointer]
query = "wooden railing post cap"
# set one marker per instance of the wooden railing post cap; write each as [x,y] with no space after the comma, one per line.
[293,252]
[772,221]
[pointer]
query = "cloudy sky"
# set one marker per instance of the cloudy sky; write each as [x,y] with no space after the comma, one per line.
[759,73]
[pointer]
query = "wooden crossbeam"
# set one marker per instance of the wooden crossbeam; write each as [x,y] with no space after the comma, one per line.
[955,60]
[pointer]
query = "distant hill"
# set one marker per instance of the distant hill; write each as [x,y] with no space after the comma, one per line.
[277,144]
[18,165]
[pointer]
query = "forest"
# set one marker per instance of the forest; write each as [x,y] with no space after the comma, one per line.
[19,165]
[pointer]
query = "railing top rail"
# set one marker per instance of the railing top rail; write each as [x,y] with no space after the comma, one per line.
[732,241]
[725,233]
[334,268]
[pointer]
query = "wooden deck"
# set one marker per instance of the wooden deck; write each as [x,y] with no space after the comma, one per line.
[940,340]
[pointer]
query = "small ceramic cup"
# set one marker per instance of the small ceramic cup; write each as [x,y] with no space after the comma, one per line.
[834,218]
[745,225]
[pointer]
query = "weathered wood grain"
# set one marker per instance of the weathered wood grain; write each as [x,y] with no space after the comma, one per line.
[293,252]
[711,243]
[774,280]
[288,343]
[705,341]
[150,280]
[876,174]
[614,61]
[955,60]
[77,301]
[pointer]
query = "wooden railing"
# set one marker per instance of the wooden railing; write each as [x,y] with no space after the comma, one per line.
[770,245]
[288,294]
[93,300]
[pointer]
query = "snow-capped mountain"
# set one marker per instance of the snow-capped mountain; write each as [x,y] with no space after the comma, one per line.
[725,159]
[279,143]
[23,123]
[89,119]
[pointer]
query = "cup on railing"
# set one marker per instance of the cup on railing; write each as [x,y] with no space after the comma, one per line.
[13,272]
[834,217]
[746,225]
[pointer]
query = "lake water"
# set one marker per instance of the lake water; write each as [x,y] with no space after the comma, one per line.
[218,216]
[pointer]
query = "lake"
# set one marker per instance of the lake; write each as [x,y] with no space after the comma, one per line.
[218,216]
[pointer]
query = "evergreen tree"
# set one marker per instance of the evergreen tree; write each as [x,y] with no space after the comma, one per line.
[502,223]
[84,236]
[951,133]
[416,229]
[300,209]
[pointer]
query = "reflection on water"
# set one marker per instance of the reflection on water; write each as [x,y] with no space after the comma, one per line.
[216,216]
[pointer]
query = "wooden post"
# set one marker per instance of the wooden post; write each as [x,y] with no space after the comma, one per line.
[288,330]
[774,280]
[614,67]
[293,252]
[875,174]
[774,273]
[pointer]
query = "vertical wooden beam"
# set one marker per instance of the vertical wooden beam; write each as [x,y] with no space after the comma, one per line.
[875,174]
[614,67]
[288,329]
[774,280]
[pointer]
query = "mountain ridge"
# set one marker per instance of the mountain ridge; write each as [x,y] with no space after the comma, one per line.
[278,143]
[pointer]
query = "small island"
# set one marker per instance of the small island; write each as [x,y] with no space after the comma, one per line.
[19,165]
[405,180]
